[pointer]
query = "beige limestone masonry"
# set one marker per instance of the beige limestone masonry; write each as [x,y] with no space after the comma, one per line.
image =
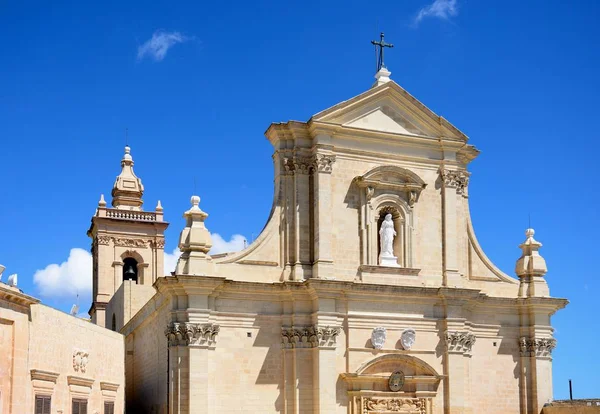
[285,325]
[47,352]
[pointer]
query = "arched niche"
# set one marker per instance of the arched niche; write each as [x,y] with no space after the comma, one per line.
[133,259]
[369,391]
[388,189]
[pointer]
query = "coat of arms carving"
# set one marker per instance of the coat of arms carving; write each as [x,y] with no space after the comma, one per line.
[396,381]
[407,339]
[378,337]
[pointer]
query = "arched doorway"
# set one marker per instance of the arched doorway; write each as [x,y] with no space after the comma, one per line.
[373,388]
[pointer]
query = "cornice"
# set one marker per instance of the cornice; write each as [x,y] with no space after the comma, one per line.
[14,295]
[108,386]
[38,374]
[81,381]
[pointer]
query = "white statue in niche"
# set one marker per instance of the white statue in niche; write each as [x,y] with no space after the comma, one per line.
[386,241]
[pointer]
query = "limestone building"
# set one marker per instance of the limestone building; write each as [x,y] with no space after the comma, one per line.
[55,363]
[366,292]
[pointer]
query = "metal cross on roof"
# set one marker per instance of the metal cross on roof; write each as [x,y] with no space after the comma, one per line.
[381,44]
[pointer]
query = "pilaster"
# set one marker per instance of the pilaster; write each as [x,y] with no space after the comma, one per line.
[323,229]
[536,372]
[189,382]
[302,217]
[300,344]
[454,185]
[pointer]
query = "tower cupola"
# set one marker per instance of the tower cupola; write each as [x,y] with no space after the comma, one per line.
[128,189]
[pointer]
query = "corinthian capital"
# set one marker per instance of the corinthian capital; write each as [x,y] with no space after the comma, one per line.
[460,341]
[539,347]
[455,179]
[186,333]
[323,163]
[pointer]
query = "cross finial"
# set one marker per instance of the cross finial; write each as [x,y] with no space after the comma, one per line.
[379,53]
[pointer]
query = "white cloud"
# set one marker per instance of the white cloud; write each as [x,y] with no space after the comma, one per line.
[235,244]
[442,9]
[171,261]
[220,245]
[74,276]
[68,278]
[159,44]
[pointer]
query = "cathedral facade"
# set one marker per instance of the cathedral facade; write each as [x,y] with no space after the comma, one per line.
[366,292]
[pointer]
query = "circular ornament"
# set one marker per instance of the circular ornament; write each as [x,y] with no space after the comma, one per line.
[396,381]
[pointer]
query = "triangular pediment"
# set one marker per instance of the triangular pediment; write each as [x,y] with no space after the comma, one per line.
[385,119]
[388,108]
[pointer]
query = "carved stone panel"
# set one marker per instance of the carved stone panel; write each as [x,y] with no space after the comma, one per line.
[375,405]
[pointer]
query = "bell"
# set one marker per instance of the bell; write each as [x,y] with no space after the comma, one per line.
[130,273]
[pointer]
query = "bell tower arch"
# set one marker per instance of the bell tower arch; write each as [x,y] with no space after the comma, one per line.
[127,242]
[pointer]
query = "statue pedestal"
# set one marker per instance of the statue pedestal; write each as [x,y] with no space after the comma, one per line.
[389,261]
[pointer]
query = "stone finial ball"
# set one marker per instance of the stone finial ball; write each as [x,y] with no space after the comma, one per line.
[529,232]
[195,200]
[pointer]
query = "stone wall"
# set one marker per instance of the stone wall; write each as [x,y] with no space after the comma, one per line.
[586,406]
[51,353]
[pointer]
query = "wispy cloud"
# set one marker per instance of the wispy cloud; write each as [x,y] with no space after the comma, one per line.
[159,44]
[441,9]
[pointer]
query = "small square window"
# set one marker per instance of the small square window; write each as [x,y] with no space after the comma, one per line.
[249,334]
[42,404]
[79,406]
[109,407]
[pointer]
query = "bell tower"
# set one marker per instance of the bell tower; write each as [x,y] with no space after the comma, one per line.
[127,242]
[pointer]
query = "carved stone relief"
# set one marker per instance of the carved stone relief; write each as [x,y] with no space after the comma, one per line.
[159,244]
[323,163]
[302,165]
[395,405]
[408,338]
[460,341]
[104,240]
[455,179]
[80,360]
[309,336]
[129,242]
[539,347]
[186,333]
[378,337]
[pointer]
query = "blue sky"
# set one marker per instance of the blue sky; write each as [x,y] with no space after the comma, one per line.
[520,78]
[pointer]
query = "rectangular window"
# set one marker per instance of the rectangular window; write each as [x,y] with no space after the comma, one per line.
[109,407]
[42,404]
[79,406]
